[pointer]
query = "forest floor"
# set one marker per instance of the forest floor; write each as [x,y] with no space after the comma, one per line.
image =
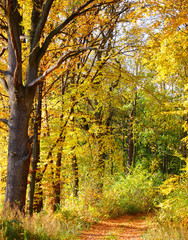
[125,227]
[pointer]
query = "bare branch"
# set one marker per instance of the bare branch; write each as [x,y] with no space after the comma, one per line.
[4,83]
[61,26]
[3,95]
[2,71]
[4,27]
[60,138]
[59,62]
[3,37]
[1,6]
[6,73]
[5,121]
[55,66]
[3,50]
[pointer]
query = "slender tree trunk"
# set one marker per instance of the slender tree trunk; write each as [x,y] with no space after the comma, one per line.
[131,147]
[36,150]
[75,176]
[38,198]
[112,167]
[57,184]
[124,148]
[165,165]
[130,150]
[101,170]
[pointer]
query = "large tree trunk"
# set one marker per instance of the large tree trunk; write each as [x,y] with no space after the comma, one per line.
[19,152]
[19,147]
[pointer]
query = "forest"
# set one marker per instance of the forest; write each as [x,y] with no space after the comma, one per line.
[93,116]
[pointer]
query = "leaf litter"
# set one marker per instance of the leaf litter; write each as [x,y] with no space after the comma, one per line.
[124,227]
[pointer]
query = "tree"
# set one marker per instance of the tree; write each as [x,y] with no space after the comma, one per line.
[21,78]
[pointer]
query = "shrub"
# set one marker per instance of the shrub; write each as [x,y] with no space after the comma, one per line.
[172,218]
[130,194]
[173,208]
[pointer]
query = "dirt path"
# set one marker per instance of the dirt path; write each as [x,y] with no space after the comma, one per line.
[125,227]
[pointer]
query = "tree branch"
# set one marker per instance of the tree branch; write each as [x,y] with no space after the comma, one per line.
[3,95]
[4,83]
[3,51]
[42,22]
[3,27]
[2,71]
[14,20]
[5,121]
[3,37]
[59,62]
[60,138]
[2,7]
[6,73]
[61,26]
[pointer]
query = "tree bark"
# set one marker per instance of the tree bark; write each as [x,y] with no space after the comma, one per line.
[75,176]
[57,184]
[19,147]
[36,150]
[19,152]
[131,147]
[38,198]
[101,171]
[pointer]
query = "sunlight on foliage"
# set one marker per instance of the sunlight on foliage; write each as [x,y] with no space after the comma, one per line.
[130,194]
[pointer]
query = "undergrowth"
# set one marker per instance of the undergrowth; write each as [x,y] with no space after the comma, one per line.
[137,192]
[122,194]
[41,226]
[133,193]
[172,218]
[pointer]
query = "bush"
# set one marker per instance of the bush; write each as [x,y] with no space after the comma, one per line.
[172,218]
[173,208]
[133,193]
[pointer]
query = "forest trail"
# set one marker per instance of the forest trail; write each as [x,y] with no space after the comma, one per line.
[125,227]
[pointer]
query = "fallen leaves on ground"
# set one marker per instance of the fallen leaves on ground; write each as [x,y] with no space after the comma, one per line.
[125,227]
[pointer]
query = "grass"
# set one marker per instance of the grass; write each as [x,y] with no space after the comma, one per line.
[134,193]
[167,232]
[124,195]
[41,226]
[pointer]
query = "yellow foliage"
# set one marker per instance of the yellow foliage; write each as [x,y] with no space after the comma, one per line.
[169,185]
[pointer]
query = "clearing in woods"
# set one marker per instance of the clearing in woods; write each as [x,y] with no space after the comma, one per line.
[125,227]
